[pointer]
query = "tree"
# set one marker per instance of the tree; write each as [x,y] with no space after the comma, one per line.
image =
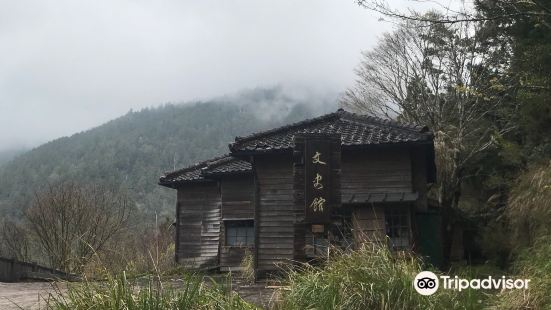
[15,241]
[443,76]
[72,222]
[501,11]
[529,62]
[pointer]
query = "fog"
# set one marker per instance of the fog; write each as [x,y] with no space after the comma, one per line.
[67,66]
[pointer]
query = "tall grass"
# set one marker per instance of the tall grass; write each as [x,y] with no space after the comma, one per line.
[533,263]
[247,266]
[529,211]
[370,278]
[529,217]
[121,293]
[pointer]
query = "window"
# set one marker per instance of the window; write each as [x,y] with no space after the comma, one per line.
[320,246]
[239,233]
[397,227]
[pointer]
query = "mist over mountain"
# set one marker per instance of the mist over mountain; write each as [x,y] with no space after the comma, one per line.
[9,154]
[132,151]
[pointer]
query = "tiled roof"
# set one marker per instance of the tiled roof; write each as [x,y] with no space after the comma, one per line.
[226,165]
[355,130]
[203,170]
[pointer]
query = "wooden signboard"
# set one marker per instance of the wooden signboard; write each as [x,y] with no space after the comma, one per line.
[320,158]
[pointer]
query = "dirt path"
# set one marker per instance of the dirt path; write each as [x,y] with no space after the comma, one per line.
[23,295]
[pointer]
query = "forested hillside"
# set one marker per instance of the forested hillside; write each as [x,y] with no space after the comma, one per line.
[7,155]
[132,151]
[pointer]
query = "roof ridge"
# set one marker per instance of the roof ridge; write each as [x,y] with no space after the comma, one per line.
[386,122]
[215,163]
[194,166]
[285,127]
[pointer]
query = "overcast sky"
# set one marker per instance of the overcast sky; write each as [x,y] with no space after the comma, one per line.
[68,65]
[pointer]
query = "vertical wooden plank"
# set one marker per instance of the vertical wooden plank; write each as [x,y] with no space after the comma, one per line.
[369,224]
[276,211]
[376,171]
[419,177]
[237,194]
[199,224]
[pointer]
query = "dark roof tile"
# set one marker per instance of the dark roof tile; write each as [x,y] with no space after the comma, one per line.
[354,130]
[201,171]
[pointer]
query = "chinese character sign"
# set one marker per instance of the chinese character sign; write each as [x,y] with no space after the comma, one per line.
[317,173]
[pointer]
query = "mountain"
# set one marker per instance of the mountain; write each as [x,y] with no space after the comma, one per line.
[132,151]
[9,154]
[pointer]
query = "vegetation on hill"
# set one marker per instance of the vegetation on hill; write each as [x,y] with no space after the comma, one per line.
[483,83]
[131,152]
[9,154]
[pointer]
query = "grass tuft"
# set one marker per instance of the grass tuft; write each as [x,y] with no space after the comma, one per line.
[194,292]
[370,278]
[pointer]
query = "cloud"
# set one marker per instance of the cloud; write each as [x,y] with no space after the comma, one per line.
[67,66]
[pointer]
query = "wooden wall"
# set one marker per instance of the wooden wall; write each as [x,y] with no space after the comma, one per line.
[198,225]
[420,177]
[368,222]
[237,197]
[270,196]
[237,204]
[375,171]
[275,211]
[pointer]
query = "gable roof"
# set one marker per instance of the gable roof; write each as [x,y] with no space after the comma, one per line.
[227,165]
[355,130]
[205,171]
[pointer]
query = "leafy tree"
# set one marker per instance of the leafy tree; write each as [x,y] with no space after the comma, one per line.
[528,37]
[445,77]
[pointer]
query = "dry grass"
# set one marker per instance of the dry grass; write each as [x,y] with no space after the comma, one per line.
[369,278]
[529,211]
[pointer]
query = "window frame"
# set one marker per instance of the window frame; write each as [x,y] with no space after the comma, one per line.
[239,230]
[398,221]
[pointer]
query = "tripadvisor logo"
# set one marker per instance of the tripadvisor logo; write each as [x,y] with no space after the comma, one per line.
[427,283]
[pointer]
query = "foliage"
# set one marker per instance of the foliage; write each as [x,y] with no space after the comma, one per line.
[9,154]
[120,293]
[525,30]
[438,76]
[369,278]
[446,77]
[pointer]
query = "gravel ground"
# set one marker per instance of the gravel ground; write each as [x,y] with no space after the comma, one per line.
[24,295]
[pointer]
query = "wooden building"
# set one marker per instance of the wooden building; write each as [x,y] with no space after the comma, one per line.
[285,194]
